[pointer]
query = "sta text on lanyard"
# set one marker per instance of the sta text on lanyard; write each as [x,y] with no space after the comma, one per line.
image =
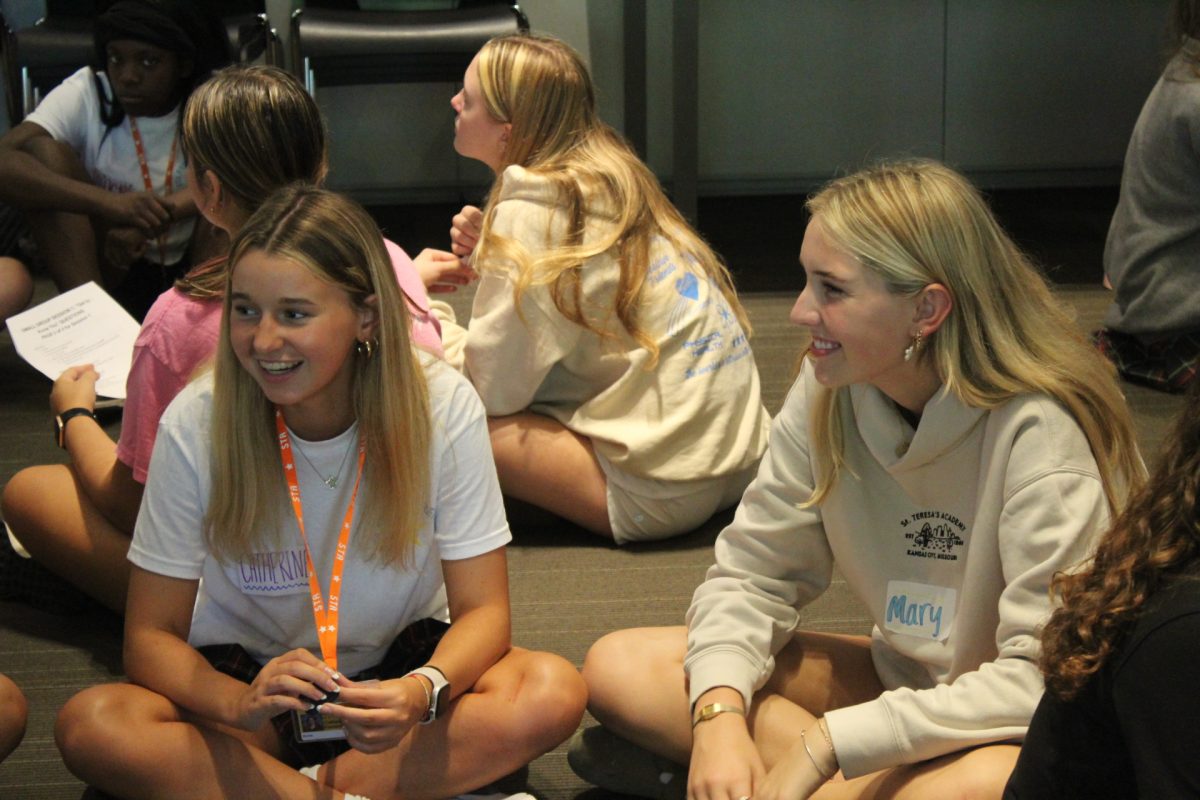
[326,618]
[168,179]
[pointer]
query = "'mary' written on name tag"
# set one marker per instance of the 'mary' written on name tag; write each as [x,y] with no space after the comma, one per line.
[918,609]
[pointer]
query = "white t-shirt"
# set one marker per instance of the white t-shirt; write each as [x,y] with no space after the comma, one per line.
[263,603]
[71,114]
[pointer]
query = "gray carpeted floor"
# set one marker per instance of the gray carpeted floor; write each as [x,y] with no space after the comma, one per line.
[567,587]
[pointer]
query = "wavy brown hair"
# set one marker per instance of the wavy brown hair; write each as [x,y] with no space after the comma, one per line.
[1154,541]
[542,88]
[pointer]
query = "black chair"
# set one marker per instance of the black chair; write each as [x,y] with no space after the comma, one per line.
[334,43]
[38,58]
[250,34]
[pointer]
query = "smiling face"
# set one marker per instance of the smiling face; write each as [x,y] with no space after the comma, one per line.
[477,134]
[146,79]
[295,334]
[859,328]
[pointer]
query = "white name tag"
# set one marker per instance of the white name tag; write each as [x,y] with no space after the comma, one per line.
[273,574]
[918,609]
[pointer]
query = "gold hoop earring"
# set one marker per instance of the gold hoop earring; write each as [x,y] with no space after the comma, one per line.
[915,347]
[366,348]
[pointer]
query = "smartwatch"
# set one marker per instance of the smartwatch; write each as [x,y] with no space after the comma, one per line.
[60,423]
[439,698]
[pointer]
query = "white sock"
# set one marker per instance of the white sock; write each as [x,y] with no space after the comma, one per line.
[311,772]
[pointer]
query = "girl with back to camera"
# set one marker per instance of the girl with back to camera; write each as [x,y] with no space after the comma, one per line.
[606,339]
[1119,714]
[247,132]
[1152,253]
[951,443]
[97,167]
[248,561]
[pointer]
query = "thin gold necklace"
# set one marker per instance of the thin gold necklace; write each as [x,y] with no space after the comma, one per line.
[332,481]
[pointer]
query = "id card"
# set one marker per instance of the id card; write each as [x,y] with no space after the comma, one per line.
[315,725]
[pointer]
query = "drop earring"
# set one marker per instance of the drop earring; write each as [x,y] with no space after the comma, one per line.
[914,347]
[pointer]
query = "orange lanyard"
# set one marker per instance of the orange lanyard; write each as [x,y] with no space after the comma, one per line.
[326,620]
[168,179]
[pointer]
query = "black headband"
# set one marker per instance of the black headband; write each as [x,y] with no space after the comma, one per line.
[155,23]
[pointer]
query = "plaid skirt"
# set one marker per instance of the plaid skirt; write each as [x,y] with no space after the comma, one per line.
[1168,364]
[411,649]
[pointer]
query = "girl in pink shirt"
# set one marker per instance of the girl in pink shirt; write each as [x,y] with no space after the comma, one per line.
[246,132]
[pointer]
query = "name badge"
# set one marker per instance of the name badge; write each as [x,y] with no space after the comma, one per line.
[918,609]
[274,574]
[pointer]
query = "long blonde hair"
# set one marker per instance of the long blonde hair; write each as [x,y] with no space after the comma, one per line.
[914,223]
[542,88]
[339,242]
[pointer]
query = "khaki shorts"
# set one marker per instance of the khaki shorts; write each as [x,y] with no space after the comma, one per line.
[645,509]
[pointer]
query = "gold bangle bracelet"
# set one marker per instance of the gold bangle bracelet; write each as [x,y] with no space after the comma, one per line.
[713,709]
[812,758]
[825,732]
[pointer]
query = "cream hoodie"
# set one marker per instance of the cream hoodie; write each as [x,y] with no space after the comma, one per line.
[950,535]
[696,414]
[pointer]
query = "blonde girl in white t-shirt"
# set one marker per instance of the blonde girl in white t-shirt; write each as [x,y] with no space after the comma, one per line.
[306,508]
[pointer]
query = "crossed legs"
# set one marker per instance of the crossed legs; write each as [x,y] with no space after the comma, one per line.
[637,689]
[135,743]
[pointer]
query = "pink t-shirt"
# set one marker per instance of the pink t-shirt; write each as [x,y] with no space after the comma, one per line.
[180,334]
[426,330]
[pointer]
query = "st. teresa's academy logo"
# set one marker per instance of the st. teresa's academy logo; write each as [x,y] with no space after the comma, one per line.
[933,534]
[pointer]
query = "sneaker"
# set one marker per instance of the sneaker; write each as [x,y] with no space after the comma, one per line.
[602,758]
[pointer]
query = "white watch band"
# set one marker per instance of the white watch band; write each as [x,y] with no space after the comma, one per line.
[439,697]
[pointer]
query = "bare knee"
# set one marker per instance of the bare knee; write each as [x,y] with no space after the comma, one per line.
[20,495]
[620,661]
[27,496]
[985,771]
[16,287]
[978,774]
[85,719]
[552,697]
[92,725]
[14,712]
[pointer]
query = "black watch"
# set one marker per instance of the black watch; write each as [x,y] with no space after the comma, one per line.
[60,423]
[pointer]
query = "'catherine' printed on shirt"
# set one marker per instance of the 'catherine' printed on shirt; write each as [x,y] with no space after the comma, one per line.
[274,574]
